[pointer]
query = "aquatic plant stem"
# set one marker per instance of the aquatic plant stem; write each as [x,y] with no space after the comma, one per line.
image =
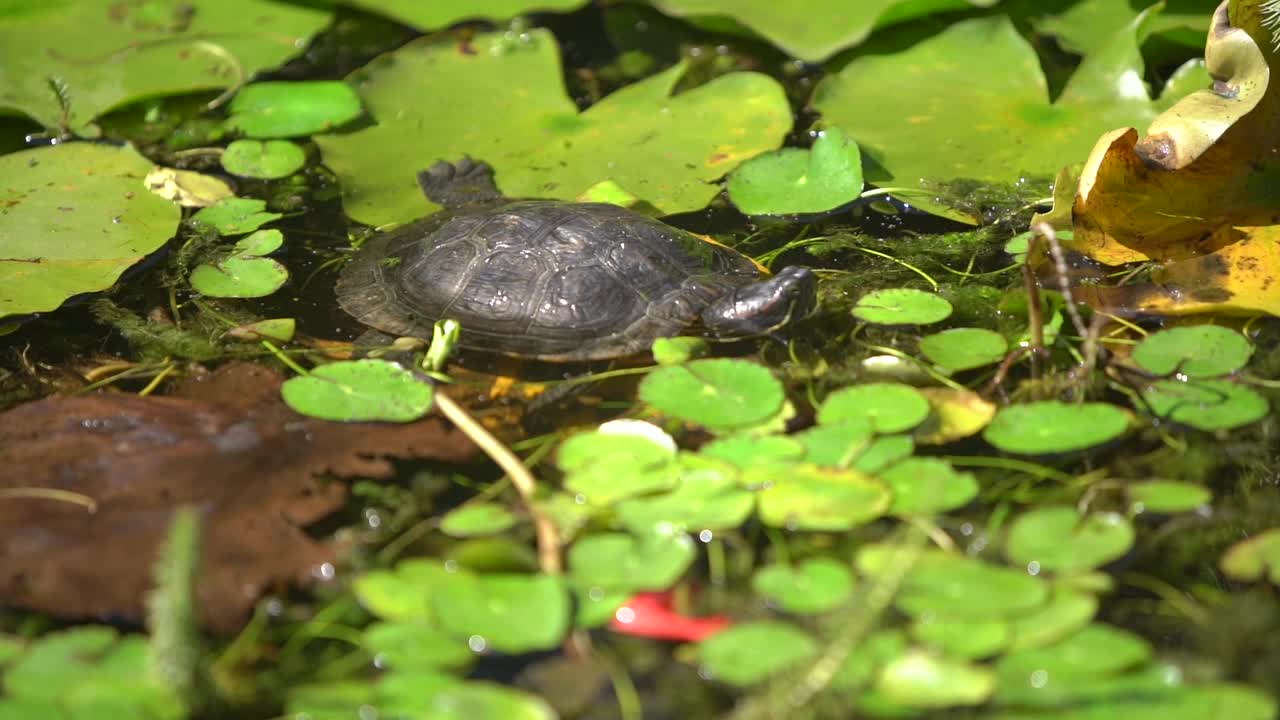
[548,537]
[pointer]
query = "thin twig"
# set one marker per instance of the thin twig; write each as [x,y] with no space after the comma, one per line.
[523,480]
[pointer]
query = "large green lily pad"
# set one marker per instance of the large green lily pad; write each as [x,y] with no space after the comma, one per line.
[816,29]
[664,149]
[1009,127]
[106,54]
[437,14]
[75,216]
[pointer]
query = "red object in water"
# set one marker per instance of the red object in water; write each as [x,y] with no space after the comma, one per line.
[650,615]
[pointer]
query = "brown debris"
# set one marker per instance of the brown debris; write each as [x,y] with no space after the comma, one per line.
[225,444]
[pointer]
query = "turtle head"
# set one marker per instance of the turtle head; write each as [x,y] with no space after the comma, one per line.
[764,307]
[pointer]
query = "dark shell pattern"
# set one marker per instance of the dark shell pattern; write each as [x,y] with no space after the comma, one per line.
[541,279]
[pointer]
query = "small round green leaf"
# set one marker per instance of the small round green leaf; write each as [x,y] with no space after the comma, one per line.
[292,109]
[1039,428]
[955,585]
[1255,558]
[400,594]
[750,652]
[415,646]
[902,306]
[921,680]
[708,497]
[836,445]
[924,486]
[1066,612]
[889,407]
[746,450]
[604,468]
[1206,404]
[507,612]
[968,639]
[478,519]
[359,390]
[265,160]
[621,562]
[792,181]
[808,497]
[721,394]
[234,216]
[964,348]
[883,452]
[1096,650]
[1200,351]
[678,350]
[440,697]
[240,276]
[1165,496]
[813,586]
[1058,538]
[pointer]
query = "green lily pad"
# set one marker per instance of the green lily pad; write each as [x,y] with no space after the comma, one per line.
[1066,612]
[477,519]
[679,350]
[836,445]
[955,586]
[105,55]
[888,407]
[813,586]
[1201,351]
[808,497]
[721,394]
[244,273]
[603,468]
[925,486]
[1206,404]
[1039,428]
[750,652]
[1010,126]
[747,450]
[1058,538]
[792,181]
[1082,27]
[708,497]
[1093,651]
[76,216]
[234,216]
[275,329]
[87,672]
[966,639]
[359,390]
[265,160]
[902,306]
[1255,558]
[415,646]
[960,349]
[666,149]
[439,15]
[814,30]
[883,452]
[506,612]
[919,679]
[617,562]
[1165,496]
[292,109]
[416,694]
[401,594]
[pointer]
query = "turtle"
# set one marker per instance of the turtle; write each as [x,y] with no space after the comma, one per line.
[558,281]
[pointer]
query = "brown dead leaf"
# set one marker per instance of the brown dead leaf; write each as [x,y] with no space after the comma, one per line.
[1210,161]
[225,444]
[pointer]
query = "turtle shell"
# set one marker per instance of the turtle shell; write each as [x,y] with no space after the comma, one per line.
[541,279]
